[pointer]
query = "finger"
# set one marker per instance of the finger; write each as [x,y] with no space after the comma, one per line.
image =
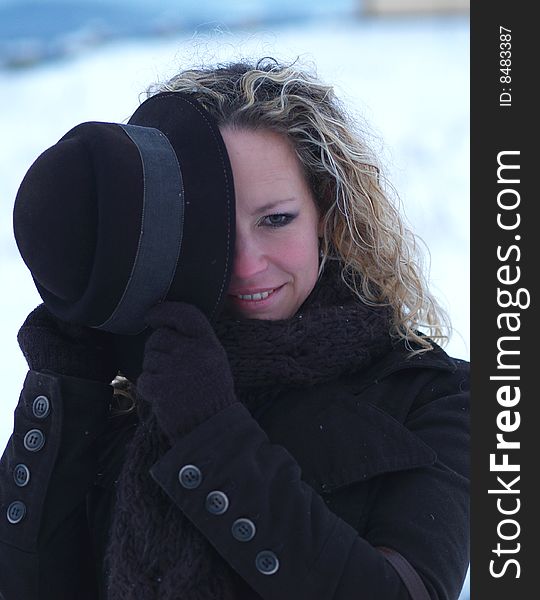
[163,339]
[180,316]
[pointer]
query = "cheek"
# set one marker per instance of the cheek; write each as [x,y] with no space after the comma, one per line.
[300,257]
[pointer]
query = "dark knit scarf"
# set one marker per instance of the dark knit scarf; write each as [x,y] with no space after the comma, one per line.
[155,551]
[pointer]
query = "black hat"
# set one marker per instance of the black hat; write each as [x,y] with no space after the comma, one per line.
[114,218]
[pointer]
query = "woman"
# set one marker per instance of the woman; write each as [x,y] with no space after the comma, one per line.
[310,443]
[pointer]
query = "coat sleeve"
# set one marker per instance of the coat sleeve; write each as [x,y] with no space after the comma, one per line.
[246,495]
[45,472]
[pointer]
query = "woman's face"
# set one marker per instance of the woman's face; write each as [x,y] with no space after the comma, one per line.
[276,256]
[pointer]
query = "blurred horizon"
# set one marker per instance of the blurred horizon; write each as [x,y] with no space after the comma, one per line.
[35,31]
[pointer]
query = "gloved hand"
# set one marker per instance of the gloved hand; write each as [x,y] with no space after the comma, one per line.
[50,343]
[186,375]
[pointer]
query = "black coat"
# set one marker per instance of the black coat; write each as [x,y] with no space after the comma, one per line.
[325,475]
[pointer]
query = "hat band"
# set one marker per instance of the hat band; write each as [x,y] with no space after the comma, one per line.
[161,233]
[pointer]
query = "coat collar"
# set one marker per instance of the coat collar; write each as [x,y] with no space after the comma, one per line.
[399,359]
[359,442]
[338,438]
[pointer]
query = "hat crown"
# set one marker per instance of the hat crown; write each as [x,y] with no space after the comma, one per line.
[55,218]
[115,218]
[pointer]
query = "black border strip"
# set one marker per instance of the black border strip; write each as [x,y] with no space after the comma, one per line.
[504,297]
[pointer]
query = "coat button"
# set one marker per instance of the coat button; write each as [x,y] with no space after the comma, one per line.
[41,407]
[16,511]
[34,440]
[21,474]
[190,477]
[217,502]
[267,562]
[243,530]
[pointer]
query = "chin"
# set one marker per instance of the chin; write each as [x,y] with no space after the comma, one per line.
[274,315]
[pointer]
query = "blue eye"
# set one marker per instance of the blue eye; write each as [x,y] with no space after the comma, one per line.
[277,220]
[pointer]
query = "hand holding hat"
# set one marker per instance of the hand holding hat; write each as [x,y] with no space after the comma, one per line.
[186,375]
[51,344]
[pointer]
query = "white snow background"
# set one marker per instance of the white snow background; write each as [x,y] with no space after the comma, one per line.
[409,78]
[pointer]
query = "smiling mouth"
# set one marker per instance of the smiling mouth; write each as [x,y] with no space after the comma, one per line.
[257,296]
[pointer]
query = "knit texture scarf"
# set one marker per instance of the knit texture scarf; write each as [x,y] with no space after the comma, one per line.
[155,552]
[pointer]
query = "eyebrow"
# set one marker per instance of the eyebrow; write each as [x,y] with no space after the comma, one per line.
[271,206]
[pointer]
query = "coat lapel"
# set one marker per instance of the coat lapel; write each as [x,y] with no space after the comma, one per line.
[339,439]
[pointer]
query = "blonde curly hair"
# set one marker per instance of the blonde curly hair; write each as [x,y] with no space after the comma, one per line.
[363,227]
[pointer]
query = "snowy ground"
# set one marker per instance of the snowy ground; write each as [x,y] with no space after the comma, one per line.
[408,78]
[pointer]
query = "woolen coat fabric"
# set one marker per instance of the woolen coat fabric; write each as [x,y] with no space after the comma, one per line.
[326,473]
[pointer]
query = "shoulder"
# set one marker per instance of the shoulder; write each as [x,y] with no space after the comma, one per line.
[402,358]
[401,381]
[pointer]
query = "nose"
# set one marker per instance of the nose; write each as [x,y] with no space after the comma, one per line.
[249,257]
